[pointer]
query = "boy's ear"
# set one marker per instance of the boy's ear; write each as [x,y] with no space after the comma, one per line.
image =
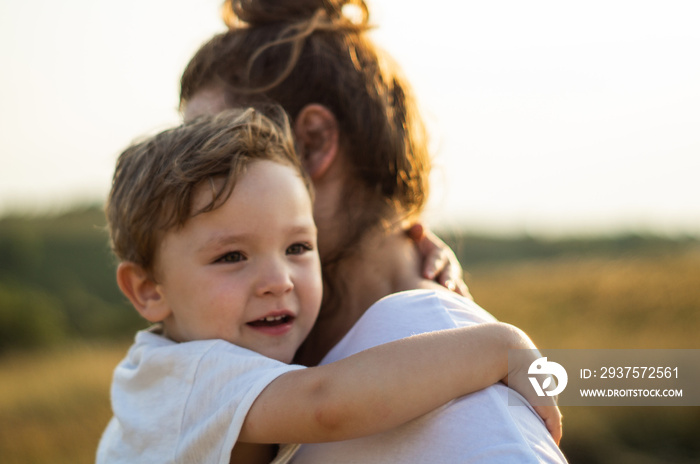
[316,131]
[143,292]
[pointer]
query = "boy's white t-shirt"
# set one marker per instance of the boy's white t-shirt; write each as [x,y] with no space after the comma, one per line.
[477,428]
[182,402]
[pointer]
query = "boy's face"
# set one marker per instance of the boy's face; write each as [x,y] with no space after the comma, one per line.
[247,272]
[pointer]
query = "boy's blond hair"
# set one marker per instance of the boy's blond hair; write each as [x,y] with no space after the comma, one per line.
[155,181]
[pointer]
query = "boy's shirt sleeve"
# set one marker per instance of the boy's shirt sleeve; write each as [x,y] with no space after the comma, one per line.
[183,402]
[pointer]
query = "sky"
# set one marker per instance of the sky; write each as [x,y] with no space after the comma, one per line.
[546,117]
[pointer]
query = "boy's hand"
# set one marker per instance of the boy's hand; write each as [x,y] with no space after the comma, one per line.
[439,261]
[552,419]
[546,407]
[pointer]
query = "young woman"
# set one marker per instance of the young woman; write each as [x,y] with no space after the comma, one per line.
[363,144]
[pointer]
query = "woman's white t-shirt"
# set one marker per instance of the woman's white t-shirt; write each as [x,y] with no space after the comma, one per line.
[481,427]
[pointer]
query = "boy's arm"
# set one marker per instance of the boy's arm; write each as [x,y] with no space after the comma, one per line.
[383,387]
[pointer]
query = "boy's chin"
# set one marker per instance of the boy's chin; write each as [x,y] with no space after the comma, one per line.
[282,357]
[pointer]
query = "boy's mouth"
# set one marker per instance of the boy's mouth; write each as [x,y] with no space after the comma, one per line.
[272,321]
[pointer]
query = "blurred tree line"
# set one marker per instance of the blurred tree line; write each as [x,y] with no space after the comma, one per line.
[57,281]
[57,273]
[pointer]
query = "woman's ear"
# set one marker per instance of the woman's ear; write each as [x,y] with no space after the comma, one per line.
[143,292]
[316,131]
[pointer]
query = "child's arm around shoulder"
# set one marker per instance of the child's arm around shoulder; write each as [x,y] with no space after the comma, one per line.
[385,386]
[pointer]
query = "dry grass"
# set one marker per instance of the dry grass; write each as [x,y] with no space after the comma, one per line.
[635,302]
[54,405]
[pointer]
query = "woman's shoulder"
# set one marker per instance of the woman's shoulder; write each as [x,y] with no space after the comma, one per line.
[429,304]
[407,313]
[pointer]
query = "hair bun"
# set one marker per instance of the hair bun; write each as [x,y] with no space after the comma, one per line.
[261,12]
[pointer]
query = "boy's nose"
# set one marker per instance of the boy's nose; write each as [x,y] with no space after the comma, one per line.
[274,279]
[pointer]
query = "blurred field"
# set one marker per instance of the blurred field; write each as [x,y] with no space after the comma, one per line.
[640,301]
[54,405]
[624,292]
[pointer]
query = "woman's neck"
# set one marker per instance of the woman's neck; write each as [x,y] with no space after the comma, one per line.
[386,263]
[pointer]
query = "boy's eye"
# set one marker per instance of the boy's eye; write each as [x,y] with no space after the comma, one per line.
[231,257]
[298,249]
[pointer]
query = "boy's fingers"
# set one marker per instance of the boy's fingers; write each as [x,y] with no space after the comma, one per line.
[416,232]
[552,420]
[554,427]
[456,285]
[463,290]
[439,262]
[435,262]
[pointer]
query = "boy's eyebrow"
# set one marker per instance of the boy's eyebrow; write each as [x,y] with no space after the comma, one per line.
[220,240]
[217,241]
[303,228]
